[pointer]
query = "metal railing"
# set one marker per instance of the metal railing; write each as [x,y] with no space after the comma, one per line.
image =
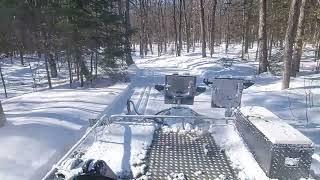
[84,137]
[106,121]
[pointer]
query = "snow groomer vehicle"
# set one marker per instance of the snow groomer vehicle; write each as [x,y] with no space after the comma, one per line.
[179,137]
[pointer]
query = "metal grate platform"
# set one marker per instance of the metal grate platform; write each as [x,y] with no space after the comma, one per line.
[183,153]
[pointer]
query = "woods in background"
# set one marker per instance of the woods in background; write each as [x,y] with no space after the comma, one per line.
[177,24]
[71,29]
[106,31]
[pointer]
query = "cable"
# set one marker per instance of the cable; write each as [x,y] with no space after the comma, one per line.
[156,120]
[134,107]
[164,111]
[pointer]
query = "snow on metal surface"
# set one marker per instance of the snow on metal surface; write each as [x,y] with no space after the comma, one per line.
[121,146]
[182,156]
[276,130]
[241,158]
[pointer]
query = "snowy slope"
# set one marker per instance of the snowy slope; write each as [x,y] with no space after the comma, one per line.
[42,126]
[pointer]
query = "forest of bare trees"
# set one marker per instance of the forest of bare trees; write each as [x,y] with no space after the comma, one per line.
[181,24]
[107,31]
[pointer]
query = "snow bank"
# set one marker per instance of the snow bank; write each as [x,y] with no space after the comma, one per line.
[42,126]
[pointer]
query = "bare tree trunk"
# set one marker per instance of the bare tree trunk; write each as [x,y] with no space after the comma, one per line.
[84,72]
[318,51]
[180,29]
[129,60]
[69,69]
[187,24]
[141,3]
[91,63]
[175,27]
[160,32]
[81,79]
[289,41]
[227,32]
[203,30]
[164,26]
[11,57]
[193,25]
[193,40]
[247,25]
[213,17]
[52,65]
[271,32]
[3,83]
[145,34]
[77,68]
[2,116]
[56,59]
[21,57]
[281,43]
[47,68]
[270,46]
[243,35]
[257,51]
[96,65]
[298,40]
[150,44]
[263,51]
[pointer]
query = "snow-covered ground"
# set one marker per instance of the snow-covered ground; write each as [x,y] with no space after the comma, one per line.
[42,126]
[32,77]
[28,78]
[48,123]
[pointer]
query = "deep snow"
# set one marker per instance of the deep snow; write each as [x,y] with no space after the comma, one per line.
[40,121]
[43,125]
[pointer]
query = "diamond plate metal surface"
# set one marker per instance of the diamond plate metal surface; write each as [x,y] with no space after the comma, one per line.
[271,157]
[196,158]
